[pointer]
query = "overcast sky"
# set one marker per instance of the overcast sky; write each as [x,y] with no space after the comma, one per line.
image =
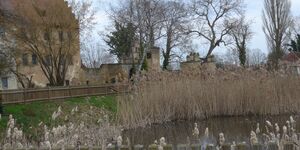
[253,12]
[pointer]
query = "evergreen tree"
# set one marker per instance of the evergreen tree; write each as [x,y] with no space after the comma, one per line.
[294,46]
[121,40]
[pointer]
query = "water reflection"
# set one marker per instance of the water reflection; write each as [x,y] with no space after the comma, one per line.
[235,129]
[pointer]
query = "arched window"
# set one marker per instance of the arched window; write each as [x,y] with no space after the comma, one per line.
[34,59]
[48,60]
[4,81]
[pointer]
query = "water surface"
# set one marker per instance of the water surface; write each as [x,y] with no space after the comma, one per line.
[235,129]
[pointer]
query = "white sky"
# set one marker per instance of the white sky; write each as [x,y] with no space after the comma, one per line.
[253,12]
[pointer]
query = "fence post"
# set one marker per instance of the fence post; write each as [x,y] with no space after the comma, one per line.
[49,93]
[87,87]
[24,95]
[118,88]
[70,93]
[106,90]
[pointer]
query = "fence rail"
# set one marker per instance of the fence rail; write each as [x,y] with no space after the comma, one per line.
[56,93]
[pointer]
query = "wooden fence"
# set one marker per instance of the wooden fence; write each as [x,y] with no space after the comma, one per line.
[56,93]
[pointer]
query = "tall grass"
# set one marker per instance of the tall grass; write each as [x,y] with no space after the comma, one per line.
[194,94]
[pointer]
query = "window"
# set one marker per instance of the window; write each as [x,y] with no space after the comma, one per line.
[149,55]
[34,59]
[67,82]
[67,60]
[25,59]
[4,81]
[48,60]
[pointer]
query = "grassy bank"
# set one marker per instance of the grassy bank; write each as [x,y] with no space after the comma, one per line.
[28,116]
[198,95]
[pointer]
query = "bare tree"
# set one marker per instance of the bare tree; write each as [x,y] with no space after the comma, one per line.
[8,52]
[146,15]
[4,61]
[276,22]
[241,35]
[93,55]
[174,29]
[255,57]
[214,19]
[49,31]
[231,57]
[296,26]
[85,14]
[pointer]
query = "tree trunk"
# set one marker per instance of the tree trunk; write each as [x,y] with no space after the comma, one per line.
[166,55]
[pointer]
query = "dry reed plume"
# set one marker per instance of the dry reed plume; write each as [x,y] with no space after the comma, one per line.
[194,94]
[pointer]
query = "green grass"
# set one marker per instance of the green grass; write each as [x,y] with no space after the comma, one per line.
[109,103]
[31,114]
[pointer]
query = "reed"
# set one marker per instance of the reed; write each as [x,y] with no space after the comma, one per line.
[190,95]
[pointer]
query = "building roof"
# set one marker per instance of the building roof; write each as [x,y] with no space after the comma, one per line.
[291,57]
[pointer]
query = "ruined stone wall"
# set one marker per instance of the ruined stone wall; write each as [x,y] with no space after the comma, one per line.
[186,66]
[133,56]
[115,72]
[209,67]
[153,59]
[107,73]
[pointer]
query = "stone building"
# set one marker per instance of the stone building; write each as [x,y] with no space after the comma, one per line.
[26,62]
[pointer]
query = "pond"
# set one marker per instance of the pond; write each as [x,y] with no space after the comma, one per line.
[234,128]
